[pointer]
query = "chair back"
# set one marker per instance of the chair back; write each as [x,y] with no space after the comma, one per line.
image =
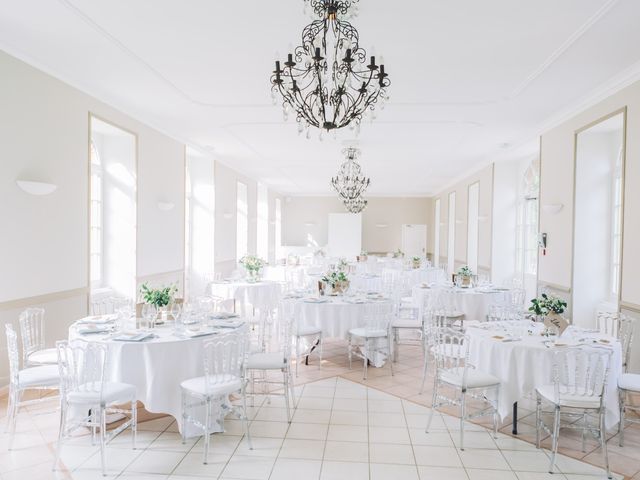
[581,371]
[433,321]
[224,305]
[378,316]
[451,351]
[32,331]
[82,367]
[108,305]
[14,355]
[225,358]
[608,323]
[625,335]
[504,313]
[517,296]
[447,300]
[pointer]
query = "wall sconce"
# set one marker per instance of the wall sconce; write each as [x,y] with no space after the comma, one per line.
[483,218]
[166,206]
[309,224]
[381,225]
[33,187]
[552,208]
[459,222]
[227,216]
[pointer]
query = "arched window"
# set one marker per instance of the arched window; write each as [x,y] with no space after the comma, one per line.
[527,221]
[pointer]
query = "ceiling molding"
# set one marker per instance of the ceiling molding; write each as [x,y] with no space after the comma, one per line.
[573,38]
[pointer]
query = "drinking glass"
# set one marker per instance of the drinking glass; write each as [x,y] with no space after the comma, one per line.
[149,313]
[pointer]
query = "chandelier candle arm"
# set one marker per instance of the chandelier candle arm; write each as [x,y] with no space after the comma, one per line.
[326,79]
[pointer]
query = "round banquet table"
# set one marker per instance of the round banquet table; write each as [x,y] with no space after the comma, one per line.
[365,282]
[263,295]
[336,315]
[526,363]
[473,302]
[415,276]
[156,367]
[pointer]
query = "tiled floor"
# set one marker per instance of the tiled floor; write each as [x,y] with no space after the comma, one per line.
[341,429]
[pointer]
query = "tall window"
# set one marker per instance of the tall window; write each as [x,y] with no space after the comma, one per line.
[242,221]
[451,237]
[436,240]
[278,226]
[527,222]
[263,222]
[616,228]
[472,226]
[95,241]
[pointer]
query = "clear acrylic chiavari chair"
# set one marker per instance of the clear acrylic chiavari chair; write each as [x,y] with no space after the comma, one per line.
[85,388]
[32,332]
[225,361]
[451,351]
[579,380]
[41,378]
[628,383]
[375,337]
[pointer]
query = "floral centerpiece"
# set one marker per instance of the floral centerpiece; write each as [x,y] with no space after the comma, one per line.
[549,307]
[160,298]
[416,262]
[364,255]
[343,265]
[398,254]
[337,280]
[253,265]
[465,274]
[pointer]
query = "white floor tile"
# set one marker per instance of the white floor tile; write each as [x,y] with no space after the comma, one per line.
[117,460]
[389,435]
[192,464]
[379,419]
[350,404]
[478,474]
[385,406]
[540,476]
[444,473]
[295,469]
[433,438]
[302,449]
[390,453]
[311,416]
[307,431]
[268,429]
[315,403]
[474,439]
[346,451]
[344,470]
[171,441]
[272,414]
[248,468]
[393,472]
[262,447]
[345,417]
[348,433]
[156,461]
[527,461]
[437,456]
[490,459]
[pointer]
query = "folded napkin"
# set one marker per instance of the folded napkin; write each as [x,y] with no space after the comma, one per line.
[98,319]
[95,329]
[133,336]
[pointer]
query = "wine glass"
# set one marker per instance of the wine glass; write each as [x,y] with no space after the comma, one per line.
[149,313]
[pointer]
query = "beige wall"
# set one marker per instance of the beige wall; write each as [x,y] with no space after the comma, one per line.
[557,174]
[485,213]
[305,220]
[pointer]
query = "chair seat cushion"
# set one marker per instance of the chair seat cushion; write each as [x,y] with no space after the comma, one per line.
[266,361]
[218,385]
[48,356]
[454,314]
[407,301]
[406,323]
[365,332]
[307,330]
[43,376]
[475,378]
[569,400]
[629,381]
[112,392]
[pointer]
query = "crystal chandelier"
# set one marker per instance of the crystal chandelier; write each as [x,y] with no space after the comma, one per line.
[326,81]
[350,183]
[355,206]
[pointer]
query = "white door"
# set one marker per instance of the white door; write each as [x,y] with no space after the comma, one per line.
[414,240]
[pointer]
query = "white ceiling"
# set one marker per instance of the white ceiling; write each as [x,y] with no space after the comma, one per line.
[471,81]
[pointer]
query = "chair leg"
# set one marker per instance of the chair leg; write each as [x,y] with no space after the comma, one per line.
[538,419]
[103,438]
[395,344]
[286,394]
[622,396]
[349,351]
[207,420]
[584,432]
[603,444]
[463,413]
[366,357]
[424,371]
[184,417]
[496,417]
[297,353]
[245,420]
[320,344]
[15,402]
[10,410]
[434,399]
[389,346]
[556,434]
[134,423]
[63,422]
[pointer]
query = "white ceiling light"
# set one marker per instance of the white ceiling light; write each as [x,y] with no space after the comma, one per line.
[33,187]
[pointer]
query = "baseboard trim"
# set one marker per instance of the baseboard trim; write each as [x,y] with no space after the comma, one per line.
[41,299]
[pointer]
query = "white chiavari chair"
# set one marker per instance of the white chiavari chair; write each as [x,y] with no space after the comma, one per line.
[42,378]
[32,332]
[375,337]
[451,351]
[225,360]
[307,338]
[433,320]
[405,319]
[628,383]
[85,388]
[577,393]
[274,356]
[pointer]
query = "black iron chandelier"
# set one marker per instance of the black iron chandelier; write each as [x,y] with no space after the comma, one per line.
[355,206]
[350,183]
[327,81]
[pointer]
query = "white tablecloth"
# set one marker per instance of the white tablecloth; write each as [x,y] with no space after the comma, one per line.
[156,367]
[416,276]
[473,302]
[336,316]
[365,283]
[526,364]
[263,295]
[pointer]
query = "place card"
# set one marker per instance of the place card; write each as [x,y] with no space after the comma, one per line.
[556,321]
